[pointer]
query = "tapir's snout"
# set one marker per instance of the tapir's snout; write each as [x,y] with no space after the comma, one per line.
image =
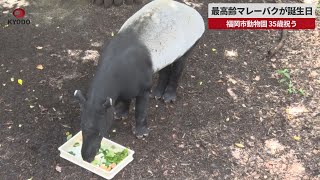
[90,146]
[87,157]
[89,152]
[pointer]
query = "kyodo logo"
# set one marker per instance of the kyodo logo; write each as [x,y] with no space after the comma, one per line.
[19,13]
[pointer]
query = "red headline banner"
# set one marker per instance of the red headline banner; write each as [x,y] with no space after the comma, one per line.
[261,23]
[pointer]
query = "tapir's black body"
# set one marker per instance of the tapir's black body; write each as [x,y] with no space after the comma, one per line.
[124,72]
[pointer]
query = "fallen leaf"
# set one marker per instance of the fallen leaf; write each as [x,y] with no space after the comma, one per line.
[30,178]
[150,172]
[20,81]
[297,138]
[165,173]
[11,79]
[232,80]
[66,126]
[69,137]
[40,67]
[20,125]
[313,74]
[239,145]
[213,50]
[58,168]
[114,131]
[230,53]
[200,83]
[39,47]
[31,106]
[174,136]
[257,78]
[112,34]
[232,94]
[181,146]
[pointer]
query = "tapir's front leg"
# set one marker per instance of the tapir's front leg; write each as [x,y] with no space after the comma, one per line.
[141,128]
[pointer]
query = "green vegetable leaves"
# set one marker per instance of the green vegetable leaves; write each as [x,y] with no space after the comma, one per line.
[95,162]
[112,157]
[72,153]
[286,79]
[69,135]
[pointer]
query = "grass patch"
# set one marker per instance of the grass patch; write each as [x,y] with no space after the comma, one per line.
[286,80]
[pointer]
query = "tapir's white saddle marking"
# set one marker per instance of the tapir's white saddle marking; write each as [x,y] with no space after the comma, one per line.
[168,29]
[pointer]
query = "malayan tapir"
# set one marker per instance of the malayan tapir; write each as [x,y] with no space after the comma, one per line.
[157,38]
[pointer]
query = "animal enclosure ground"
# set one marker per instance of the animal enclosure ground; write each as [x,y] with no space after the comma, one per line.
[232,118]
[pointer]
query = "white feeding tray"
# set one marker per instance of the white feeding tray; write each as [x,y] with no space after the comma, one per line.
[71,151]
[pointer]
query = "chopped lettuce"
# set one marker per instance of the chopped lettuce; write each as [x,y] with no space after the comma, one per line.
[72,153]
[95,162]
[107,157]
[112,157]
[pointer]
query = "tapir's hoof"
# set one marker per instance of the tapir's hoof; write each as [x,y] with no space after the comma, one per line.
[169,96]
[140,132]
[157,93]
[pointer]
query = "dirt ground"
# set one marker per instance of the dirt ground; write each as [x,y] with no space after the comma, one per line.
[232,120]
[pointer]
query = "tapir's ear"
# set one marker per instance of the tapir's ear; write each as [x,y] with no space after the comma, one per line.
[79,96]
[108,103]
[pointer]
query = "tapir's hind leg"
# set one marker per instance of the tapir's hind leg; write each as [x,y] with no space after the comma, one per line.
[170,93]
[176,71]
[163,80]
